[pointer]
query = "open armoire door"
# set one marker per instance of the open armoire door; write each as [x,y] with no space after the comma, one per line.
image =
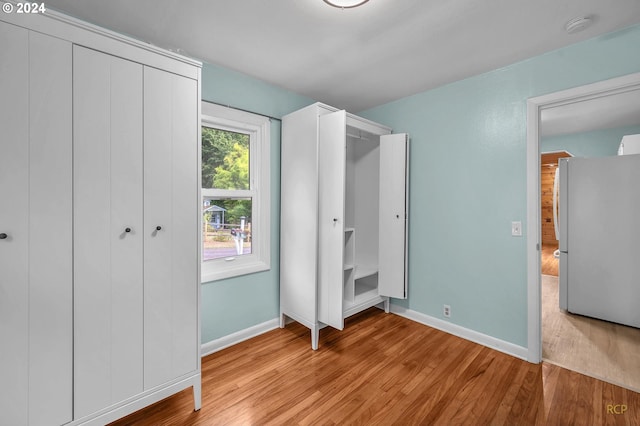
[394,216]
[331,220]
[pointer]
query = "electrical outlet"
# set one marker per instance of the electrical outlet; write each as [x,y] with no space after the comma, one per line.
[446,311]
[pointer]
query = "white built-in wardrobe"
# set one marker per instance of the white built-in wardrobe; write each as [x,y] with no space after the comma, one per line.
[99,223]
[344,207]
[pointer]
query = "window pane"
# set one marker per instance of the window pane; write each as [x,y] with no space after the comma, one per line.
[227,227]
[225,159]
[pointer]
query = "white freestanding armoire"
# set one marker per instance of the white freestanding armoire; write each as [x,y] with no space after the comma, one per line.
[99,223]
[344,207]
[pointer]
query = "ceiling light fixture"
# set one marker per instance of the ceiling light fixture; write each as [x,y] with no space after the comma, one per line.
[345,4]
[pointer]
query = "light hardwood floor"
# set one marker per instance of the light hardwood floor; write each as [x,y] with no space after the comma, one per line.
[548,263]
[598,348]
[381,370]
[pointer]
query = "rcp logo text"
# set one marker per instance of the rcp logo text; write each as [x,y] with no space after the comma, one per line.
[616,408]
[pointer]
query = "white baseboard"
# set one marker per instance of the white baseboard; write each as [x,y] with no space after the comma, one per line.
[465,333]
[462,332]
[239,336]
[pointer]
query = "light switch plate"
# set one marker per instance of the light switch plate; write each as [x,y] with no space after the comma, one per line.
[516,229]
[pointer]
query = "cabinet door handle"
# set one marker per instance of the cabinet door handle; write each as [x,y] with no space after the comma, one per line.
[127,230]
[3,236]
[335,219]
[158,228]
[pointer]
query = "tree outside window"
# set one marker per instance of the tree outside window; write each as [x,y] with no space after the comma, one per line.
[227,221]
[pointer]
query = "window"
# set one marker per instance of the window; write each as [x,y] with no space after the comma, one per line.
[235,193]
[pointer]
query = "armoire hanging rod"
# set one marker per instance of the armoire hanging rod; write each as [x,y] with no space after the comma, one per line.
[358,136]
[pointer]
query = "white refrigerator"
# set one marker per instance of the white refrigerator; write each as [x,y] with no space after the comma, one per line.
[630,144]
[599,227]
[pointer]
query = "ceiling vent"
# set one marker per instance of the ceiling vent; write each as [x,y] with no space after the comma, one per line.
[577,24]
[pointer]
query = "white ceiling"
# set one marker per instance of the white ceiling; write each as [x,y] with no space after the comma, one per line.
[356,58]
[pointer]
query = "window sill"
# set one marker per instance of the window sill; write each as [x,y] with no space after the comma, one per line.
[221,269]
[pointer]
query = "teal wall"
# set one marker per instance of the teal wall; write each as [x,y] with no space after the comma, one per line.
[598,143]
[468,181]
[468,177]
[238,303]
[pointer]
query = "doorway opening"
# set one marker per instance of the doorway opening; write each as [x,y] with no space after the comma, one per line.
[538,252]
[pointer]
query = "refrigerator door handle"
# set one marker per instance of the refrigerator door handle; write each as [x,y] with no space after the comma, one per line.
[563,204]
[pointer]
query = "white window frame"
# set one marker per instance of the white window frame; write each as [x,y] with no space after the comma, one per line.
[258,129]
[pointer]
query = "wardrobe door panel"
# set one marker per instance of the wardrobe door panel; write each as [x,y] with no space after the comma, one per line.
[392,245]
[185,222]
[108,234]
[50,233]
[14,248]
[35,220]
[331,176]
[171,204]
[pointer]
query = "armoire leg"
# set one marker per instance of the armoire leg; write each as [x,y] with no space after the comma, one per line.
[387,306]
[282,320]
[197,396]
[315,337]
